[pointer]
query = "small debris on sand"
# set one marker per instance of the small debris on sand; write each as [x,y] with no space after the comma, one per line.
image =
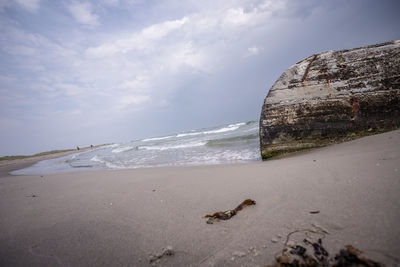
[352,256]
[311,254]
[255,251]
[314,211]
[168,251]
[226,215]
[238,254]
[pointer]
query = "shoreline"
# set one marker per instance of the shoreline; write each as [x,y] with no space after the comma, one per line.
[119,217]
[7,166]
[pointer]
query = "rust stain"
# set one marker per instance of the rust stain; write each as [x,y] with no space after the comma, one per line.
[355,107]
[328,79]
[327,76]
[308,68]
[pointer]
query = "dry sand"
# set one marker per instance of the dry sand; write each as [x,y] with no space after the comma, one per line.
[116,218]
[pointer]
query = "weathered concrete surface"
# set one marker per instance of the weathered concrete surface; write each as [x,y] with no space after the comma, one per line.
[331,97]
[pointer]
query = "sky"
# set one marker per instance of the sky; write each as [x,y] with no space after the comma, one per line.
[76,73]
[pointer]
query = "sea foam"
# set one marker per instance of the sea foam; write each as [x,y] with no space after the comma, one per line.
[178,146]
[122,149]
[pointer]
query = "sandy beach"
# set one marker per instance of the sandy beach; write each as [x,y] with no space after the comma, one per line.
[119,218]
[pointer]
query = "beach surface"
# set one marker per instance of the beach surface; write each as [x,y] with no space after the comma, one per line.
[344,194]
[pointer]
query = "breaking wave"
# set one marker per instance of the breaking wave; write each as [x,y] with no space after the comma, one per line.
[231,127]
[122,149]
[158,138]
[178,146]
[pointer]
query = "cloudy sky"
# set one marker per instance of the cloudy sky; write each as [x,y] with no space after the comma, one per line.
[91,72]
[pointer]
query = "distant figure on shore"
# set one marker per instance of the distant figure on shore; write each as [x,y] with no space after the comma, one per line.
[91,146]
[77,147]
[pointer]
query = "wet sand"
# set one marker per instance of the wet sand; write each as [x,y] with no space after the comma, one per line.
[116,218]
[7,166]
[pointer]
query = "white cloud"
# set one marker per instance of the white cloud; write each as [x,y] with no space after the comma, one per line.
[185,54]
[127,101]
[139,84]
[273,5]
[138,41]
[83,13]
[30,5]
[252,51]
[258,14]
[237,17]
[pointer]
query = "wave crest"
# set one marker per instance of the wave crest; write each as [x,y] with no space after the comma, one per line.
[122,149]
[178,146]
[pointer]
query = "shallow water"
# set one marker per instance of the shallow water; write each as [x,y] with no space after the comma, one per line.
[224,144]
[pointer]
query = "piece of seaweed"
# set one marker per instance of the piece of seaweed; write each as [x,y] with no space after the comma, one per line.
[226,215]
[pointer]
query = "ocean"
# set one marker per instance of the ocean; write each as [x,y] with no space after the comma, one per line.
[230,143]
